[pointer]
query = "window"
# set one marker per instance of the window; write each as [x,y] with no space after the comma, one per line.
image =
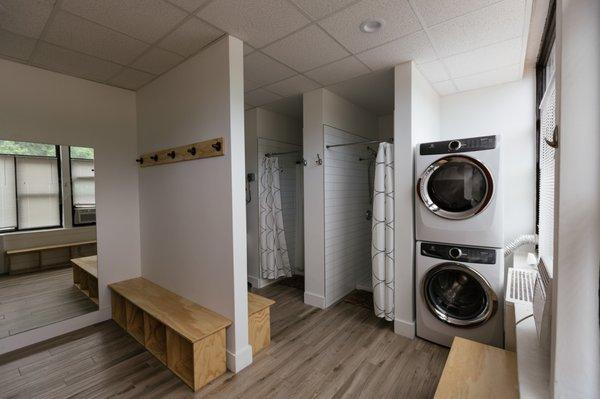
[30,183]
[83,192]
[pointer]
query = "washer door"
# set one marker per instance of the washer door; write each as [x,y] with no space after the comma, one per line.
[458,295]
[456,187]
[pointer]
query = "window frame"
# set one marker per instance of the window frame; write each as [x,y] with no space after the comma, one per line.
[548,41]
[75,225]
[60,192]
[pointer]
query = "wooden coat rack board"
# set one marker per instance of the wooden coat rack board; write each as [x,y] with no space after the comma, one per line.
[203,149]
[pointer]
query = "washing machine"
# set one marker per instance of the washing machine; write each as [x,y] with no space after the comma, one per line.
[459,292]
[459,192]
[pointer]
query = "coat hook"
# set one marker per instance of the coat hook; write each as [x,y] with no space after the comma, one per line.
[192,151]
[171,154]
[319,160]
[217,146]
[154,158]
[140,160]
[554,142]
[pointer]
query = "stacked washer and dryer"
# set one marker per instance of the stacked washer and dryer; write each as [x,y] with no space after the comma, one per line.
[459,233]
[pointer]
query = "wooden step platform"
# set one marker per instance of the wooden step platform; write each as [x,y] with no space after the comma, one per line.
[188,338]
[85,276]
[259,322]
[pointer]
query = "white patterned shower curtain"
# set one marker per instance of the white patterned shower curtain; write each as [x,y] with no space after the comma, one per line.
[382,247]
[274,258]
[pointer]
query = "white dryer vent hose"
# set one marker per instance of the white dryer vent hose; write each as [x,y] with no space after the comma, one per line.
[519,242]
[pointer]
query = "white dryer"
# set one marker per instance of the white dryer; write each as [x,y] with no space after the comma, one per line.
[459,192]
[460,292]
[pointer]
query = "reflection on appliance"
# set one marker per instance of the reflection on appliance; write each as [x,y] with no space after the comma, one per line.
[460,293]
[458,192]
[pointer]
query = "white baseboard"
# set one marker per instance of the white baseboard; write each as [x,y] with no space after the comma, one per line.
[314,300]
[261,282]
[31,337]
[404,328]
[255,281]
[236,362]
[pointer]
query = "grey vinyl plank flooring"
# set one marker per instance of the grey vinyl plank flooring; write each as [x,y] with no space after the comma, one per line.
[340,352]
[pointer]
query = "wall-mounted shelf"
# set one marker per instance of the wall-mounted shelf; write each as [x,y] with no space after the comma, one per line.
[204,149]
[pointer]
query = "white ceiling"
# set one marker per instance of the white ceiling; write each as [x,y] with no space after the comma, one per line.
[292,46]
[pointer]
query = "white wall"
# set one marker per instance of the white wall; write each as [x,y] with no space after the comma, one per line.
[416,120]
[277,133]
[507,110]
[41,106]
[193,230]
[323,108]
[386,126]
[576,328]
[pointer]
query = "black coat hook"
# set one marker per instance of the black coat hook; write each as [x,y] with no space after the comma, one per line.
[192,151]
[171,154]
[217,146]
[140,160]
[154,158]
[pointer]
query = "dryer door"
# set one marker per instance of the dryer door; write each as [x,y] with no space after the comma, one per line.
[458,295]
[456,187]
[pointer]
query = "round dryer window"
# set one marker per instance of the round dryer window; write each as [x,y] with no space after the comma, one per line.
[459,295]
[456,187]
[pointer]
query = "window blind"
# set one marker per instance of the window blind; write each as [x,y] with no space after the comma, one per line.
[82,176]
[38,192]
[8,205]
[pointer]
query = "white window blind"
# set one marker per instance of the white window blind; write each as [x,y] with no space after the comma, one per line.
[82,176]
[38,192]
[8,202]
[547,168]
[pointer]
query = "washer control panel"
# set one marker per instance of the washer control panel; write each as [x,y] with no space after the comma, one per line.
[459,253]
[459,145]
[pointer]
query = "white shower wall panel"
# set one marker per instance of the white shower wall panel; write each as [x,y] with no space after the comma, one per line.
[347,200]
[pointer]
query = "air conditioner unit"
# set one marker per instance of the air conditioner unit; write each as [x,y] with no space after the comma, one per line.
[85,216]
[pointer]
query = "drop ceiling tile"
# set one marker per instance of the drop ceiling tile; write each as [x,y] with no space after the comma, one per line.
[73,63]
[25,18]
[157,61]
[496,23]
[306,49]
[490,78]
[295,85]
[248,49]
[414,47]
[444,88]
[257,22]
[93,39]
[344,26]
[260,97]
[188,5]
[146,20]
[262,69]
[485,58]
[16,46]
[131,79]
[190,37]
[319,9]
[434,71]
[338,71]
[436,11]
[250,85]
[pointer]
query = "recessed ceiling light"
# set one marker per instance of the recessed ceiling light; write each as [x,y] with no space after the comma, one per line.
[371,26]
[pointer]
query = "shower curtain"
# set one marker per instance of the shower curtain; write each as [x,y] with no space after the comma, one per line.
[382,247]
[274,258]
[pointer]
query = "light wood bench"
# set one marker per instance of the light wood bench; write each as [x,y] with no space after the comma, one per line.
[475,370]
[188,338]
[85,276]
[259,322]
[39,250]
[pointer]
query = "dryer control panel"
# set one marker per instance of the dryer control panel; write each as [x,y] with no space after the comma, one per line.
[459,145]
[458,253]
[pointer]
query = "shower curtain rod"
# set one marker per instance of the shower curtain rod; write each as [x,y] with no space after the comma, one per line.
[274,154]
[360,142]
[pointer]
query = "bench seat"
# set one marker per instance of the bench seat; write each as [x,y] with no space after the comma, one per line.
[39,250]
[85,276]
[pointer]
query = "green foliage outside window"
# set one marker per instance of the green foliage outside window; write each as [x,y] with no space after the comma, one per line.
[8,147]
[82,153]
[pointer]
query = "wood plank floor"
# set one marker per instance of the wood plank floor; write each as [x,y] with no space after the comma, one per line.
[33,300]
[341,352]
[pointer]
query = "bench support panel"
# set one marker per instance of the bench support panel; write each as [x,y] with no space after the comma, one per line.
[259,330]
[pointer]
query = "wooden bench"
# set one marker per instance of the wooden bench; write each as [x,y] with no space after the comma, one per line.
[259,322]
[39,250]
[85,276]
[188,338]
[475,370]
